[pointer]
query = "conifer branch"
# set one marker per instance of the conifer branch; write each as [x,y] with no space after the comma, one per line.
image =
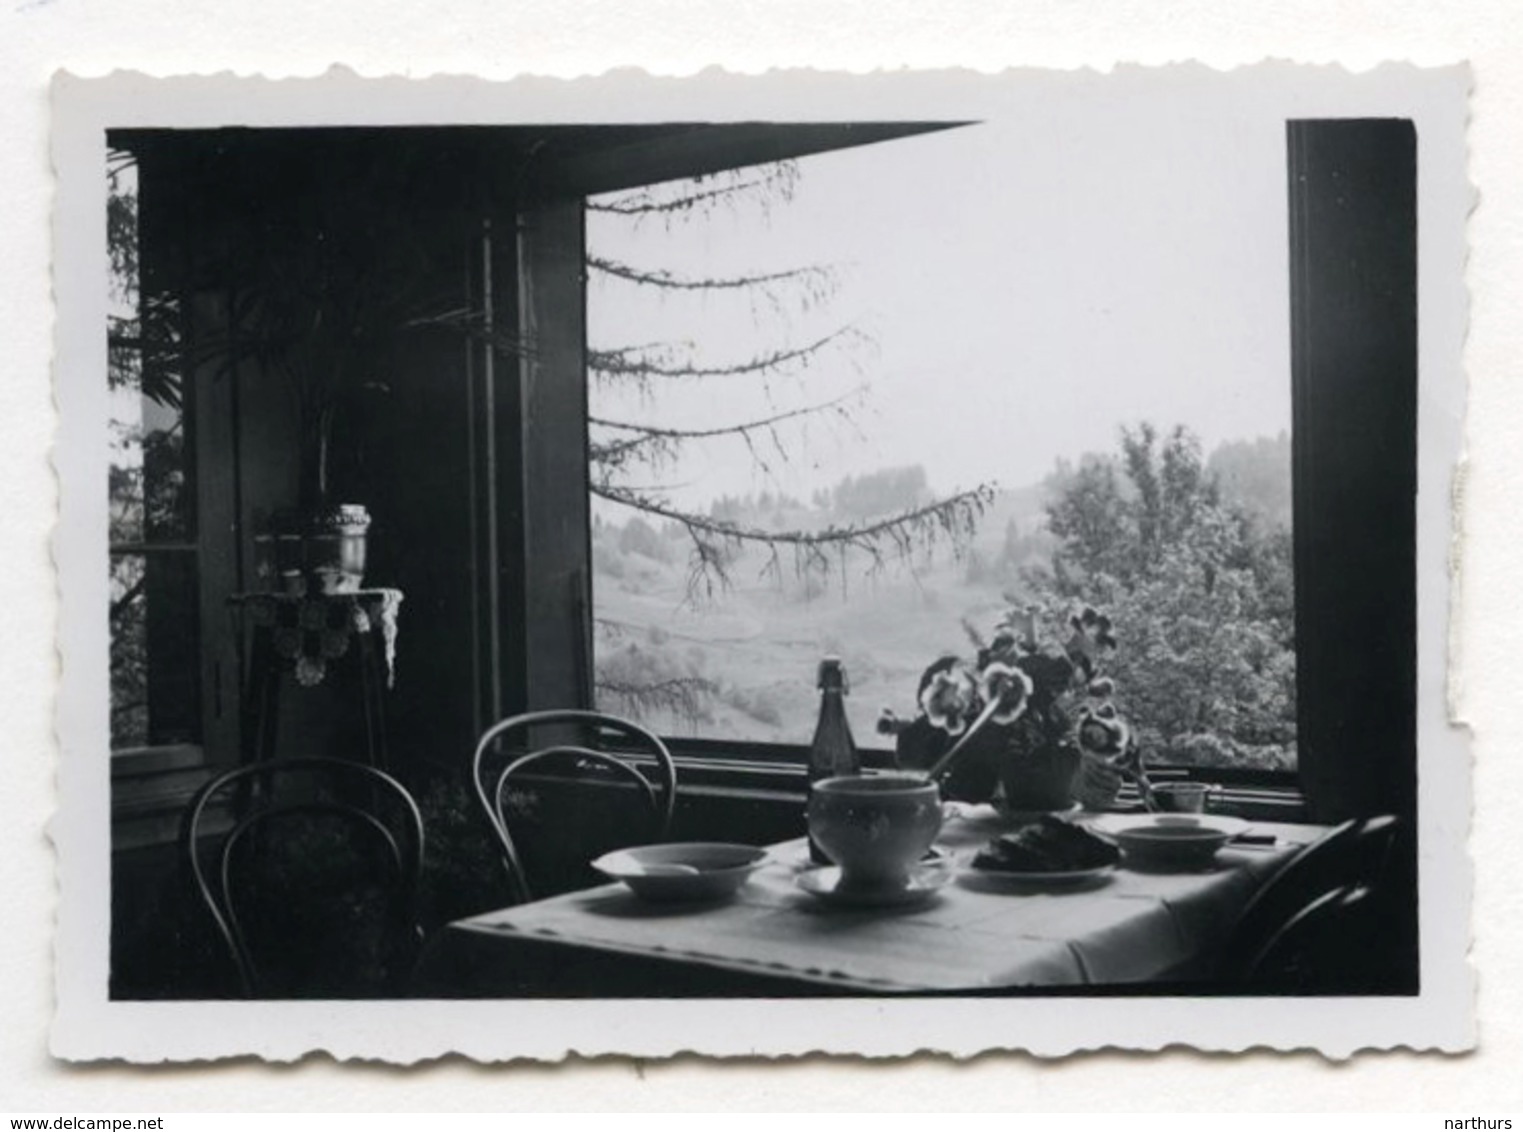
[664,441]
[683,696]
[660,363]
[714,541]
[702,195]
[660,277]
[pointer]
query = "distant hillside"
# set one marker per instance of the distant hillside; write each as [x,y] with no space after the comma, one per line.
[739,662]
[1011,536]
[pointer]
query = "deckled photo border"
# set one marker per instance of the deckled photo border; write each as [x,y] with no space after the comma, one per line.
[90,1026]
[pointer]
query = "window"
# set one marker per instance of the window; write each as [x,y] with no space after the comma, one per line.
[483,532]
[155,566]
[975,314]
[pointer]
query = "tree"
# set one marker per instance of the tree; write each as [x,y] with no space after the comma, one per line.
[1202,601]
[872,522]
[624,452]
[1255,476]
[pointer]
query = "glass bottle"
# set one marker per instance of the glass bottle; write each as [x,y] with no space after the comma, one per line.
[832,753]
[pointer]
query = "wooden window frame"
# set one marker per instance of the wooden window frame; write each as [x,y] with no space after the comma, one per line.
[151,783]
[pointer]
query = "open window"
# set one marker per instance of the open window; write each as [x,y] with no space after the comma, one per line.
[780,359]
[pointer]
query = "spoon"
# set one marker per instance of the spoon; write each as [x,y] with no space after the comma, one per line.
[943,764]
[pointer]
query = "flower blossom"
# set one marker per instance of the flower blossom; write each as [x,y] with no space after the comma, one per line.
[1007,685]
[1091,633]
[947,698]
[1102,732]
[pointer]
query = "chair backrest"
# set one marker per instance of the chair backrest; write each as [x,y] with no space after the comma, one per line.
[1351,856]
[311,841]
[1323,949]
[492,788]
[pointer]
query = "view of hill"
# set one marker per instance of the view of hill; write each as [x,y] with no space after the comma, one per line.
[741,664]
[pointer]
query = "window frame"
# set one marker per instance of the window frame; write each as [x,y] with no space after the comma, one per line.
[151,783]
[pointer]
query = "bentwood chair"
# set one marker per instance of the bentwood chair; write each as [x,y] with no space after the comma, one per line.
[1312,923]
[531,804]
[310,877]
[1320,949]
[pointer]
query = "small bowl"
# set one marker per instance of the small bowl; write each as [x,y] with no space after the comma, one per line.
[1183,797]
[696,870]
[1175,842]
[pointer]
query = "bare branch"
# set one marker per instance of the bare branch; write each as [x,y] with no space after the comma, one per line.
[119,606]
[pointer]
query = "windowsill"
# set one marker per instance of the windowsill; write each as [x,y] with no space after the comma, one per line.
[779,770]
[133,761]
[150,788]
[152,785]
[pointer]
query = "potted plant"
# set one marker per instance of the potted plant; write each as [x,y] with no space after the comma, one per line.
[1027,723]
[322,343]
[316,294]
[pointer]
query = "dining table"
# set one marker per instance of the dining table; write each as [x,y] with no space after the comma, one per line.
[1119,929]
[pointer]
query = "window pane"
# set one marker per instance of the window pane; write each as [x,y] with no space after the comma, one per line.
[154,627]
[150,496]
[129,652]
[150,500]
[155,663]
[799,374]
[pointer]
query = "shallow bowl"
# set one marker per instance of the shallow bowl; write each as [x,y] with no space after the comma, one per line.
[690,870]
[1175,842]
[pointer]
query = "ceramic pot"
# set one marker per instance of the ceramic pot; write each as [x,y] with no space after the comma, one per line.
[875,827]
[323,550]
[1040,779]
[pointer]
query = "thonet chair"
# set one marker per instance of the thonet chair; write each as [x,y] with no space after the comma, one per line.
[575,830]
[312,879]
[1313,921]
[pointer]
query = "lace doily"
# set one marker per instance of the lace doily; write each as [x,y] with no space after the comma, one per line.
[310,630]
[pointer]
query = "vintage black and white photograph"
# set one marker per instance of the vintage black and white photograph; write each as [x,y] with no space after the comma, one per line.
[959,552]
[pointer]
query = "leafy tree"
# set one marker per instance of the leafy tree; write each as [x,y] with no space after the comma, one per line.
[1202,602]
[1255,476]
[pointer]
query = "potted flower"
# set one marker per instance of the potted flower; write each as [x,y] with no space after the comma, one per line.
[1028,723]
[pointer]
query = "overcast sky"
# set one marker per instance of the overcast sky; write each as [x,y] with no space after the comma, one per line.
[1027,285]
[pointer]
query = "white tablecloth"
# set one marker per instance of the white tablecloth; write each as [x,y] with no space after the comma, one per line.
[1128,927]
